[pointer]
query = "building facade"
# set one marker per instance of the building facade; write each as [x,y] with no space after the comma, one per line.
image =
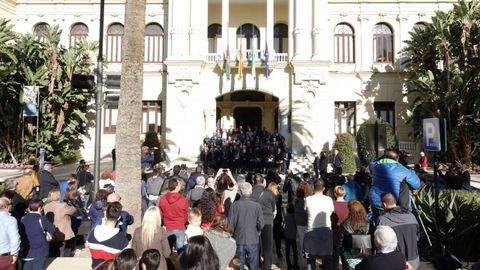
[311,68]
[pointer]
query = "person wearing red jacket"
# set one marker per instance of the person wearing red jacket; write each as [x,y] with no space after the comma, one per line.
[174,210]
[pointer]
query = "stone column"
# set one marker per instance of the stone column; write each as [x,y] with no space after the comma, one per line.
[269,28]
[198,25]
[321,40]
[300,31]
[291,26]
[178,25]
[225,23]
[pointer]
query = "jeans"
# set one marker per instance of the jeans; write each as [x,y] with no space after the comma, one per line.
[251,251]
[267,239]
[301,230]
[35,264]
[177,237]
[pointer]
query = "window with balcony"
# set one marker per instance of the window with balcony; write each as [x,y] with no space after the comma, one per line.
[280,38]
[382,43]
[247,34]
[41,29]
[345,117]
[214,38]
[152,116]
[77,32]
[114,43]
[153,43]
[385,111]
[344,43]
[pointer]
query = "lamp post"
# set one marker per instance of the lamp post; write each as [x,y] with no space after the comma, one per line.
[99,98]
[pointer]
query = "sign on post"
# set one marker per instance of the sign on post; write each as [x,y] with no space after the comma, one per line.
[434,134]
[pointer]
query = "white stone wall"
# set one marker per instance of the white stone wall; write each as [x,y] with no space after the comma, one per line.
[307,87]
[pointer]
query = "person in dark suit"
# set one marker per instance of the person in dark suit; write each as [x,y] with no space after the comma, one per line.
[47,181]
[387,256]
[337,161]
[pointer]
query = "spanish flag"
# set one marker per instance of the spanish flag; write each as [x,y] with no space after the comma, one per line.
[240,63]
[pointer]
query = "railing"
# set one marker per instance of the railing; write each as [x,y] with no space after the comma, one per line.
[410,147]
[247,56]
[281,57]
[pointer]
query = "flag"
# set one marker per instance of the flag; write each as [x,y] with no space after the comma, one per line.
[266,60]
[254,55]
[227,63]
[240,63]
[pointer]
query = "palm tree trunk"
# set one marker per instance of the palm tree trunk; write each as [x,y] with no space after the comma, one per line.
[129,110]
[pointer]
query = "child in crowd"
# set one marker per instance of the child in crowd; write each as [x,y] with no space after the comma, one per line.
[150,260]
[194,220]
[234,264]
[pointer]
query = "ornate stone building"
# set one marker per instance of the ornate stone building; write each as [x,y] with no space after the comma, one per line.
[331,64]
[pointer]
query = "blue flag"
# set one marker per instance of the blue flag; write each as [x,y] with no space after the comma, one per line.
[266,60]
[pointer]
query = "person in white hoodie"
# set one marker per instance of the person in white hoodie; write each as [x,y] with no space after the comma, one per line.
[106,241]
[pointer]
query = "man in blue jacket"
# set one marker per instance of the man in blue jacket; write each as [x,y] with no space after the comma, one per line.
[388,175]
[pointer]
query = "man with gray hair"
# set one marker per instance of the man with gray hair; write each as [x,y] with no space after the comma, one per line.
[194,194]
[47,181]
[246,220]
[387,256]
[9,236]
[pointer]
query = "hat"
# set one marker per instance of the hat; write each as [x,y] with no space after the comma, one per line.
[113,197]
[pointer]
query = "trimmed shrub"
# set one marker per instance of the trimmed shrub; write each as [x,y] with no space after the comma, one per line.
[344,145]
[365,154]
[458,223]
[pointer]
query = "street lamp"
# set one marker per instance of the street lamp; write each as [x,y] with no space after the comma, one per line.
[99,98]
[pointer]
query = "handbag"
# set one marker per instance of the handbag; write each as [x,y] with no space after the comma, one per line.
[48,236]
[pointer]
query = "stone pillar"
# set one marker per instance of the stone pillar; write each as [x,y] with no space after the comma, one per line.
[300,30]
[269,28]
[198,25]
[291,26]
[178,25]
[321,40]
[225,23]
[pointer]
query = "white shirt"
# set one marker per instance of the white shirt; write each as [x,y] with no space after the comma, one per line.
[103,182]
[319,208]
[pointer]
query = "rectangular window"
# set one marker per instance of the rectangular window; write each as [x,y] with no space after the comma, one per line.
[345,117]
[152,116]
[110,113]
[215,44]
[153,48]
[114,48]
[385,111]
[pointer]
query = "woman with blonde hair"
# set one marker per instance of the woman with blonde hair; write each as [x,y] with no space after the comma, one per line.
[59,213]
[151,235]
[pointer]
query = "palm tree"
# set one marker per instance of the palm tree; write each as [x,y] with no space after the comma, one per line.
[129,108]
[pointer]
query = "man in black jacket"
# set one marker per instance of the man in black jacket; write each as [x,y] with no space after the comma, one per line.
[405,226]
[47,181]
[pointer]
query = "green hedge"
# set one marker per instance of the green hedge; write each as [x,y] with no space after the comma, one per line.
[344,145]
[362,140]
[459,222]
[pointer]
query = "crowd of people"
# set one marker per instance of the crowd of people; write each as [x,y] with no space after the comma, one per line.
[242,150]
[214,218]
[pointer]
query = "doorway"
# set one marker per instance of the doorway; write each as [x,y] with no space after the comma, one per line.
[248,117]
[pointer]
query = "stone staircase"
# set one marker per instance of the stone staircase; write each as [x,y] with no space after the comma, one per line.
[301,163]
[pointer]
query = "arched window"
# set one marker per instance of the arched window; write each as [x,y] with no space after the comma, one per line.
[382,43]
[214,38]
[344,43]
[153,43]
[77,32]
[114,43]
[280,38]
[41,29]
[246,35]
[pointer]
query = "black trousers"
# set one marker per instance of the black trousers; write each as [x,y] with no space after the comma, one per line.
[266,238]
[291,244]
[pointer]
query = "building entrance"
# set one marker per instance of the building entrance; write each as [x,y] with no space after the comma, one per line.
[248,117]
[247,108]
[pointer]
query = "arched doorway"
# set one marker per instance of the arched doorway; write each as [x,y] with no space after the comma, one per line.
[247,108]
[248,117]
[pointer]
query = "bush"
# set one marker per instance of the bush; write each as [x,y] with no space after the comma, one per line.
[365,154]
[152,141]
[68,156]
[344,145]
[458,222]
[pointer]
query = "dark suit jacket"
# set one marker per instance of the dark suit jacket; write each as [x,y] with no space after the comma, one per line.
[47,183]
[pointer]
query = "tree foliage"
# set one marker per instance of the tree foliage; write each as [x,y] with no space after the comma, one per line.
[42,61]
[444,81]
